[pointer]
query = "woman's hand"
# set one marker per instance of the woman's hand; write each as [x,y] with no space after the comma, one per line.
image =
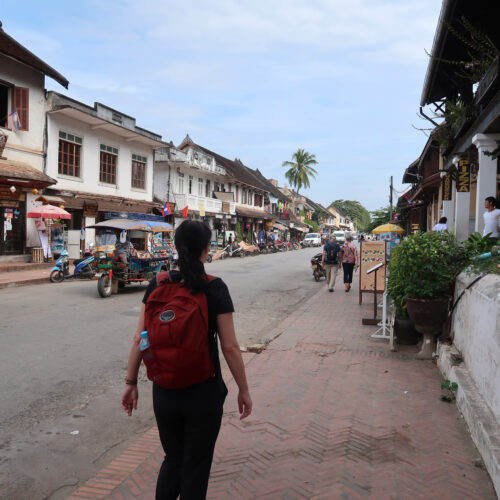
[244,404]
[129,399]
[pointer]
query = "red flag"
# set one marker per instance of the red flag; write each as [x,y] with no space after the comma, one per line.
[185,212]
[166,209]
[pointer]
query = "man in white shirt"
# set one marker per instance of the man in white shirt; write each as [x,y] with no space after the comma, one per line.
[490,218]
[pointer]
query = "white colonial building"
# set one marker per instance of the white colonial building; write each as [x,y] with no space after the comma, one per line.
[193,179]
[102,161]
[22,126]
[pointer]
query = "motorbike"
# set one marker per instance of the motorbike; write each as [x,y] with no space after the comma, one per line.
[83,268]
[318,270]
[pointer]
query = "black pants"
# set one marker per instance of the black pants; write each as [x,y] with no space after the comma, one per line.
[188,422]
[348,269]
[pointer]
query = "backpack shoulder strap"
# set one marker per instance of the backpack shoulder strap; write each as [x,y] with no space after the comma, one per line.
[162,277]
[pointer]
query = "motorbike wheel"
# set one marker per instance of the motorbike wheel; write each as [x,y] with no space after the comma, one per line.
[242,253]
[316,275]
[56,276]
[209,258]
[104,286]
[121,284]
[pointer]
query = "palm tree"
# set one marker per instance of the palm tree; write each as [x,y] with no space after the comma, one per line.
[300,169]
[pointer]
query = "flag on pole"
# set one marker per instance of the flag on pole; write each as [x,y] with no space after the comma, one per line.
[15,122]
[166,209]
[185,212]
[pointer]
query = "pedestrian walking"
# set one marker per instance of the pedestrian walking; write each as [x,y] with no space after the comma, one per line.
[441,225]
[330,261]
[349,259]
[490,217]
[188,418]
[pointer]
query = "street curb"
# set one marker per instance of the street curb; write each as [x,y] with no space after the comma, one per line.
[35,281]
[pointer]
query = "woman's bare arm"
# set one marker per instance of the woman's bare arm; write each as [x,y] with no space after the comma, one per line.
[231,350]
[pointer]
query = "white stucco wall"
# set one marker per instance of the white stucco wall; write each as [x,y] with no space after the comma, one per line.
[25,145]
[476,327]
[90,160]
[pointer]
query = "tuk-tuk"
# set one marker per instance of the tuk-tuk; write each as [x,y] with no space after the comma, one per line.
[130,251]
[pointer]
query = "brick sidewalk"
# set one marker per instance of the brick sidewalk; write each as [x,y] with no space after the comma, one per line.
[336,416]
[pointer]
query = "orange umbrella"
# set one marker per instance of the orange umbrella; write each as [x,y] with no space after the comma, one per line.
[49,212]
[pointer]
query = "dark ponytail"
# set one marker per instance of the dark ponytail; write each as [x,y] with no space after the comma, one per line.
[191,238]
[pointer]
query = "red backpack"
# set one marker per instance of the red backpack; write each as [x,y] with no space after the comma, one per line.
[177,325]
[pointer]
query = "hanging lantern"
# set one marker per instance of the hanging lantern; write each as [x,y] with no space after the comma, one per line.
[34,191]
[12,189]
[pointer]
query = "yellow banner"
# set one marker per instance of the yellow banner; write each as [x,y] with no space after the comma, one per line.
[201,204]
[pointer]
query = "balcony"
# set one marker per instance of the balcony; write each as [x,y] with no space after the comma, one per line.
[211,204]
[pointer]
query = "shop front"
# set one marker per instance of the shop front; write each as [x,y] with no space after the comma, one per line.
[87,209]
[18,183]
[12,217]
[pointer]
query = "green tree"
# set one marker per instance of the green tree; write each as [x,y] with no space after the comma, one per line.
[378,217]
[355,211]
[300,171]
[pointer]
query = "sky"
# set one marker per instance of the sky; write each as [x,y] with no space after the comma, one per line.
[253,79]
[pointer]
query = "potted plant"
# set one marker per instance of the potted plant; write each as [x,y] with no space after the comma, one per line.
[424,271]
[404,329]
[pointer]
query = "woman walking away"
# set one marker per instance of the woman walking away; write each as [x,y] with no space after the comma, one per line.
[182,315]
[349,259]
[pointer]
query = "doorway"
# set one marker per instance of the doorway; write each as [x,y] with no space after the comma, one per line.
[11,229]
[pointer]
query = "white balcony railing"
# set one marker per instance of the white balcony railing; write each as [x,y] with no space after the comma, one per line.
[211,204]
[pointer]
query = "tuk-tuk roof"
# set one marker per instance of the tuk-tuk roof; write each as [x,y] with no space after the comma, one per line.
[133,225]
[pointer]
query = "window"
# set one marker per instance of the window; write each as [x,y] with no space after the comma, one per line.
[70,147]
[14,99]
[4,105]
[207,190]
[244,196]
[200,186]
[180,183]
[107,171]
[139,171]
[190,185]
[258,200]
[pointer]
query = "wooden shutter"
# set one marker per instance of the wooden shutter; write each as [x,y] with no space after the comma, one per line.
[21,105]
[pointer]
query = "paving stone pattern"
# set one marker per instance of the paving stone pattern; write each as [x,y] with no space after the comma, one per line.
[336,416]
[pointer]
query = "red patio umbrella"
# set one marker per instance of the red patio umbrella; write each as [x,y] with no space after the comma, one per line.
[49,212]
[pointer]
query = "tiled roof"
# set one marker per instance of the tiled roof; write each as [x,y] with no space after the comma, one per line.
[234,168]
[14,49]
[24,172]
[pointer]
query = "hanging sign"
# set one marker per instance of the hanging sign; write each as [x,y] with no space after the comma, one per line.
[463,183]
[201,205]
[447,187]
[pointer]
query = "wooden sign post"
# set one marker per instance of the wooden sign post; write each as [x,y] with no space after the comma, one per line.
[371,254]
[374,270]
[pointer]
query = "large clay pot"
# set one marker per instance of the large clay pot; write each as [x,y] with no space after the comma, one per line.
[405,331]
[428,316]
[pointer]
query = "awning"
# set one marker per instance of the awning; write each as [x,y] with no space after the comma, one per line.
[103,203]
[22,174]
[252,213]
[280,227]
[50,199]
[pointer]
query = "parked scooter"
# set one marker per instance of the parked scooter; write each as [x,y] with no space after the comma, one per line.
[83,268]
[318,270]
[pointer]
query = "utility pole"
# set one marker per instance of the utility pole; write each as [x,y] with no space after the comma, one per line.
[390,202]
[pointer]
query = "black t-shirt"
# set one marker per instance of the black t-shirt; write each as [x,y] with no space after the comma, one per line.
[219,302]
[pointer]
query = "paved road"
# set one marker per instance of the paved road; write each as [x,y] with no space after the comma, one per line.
[64,359]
